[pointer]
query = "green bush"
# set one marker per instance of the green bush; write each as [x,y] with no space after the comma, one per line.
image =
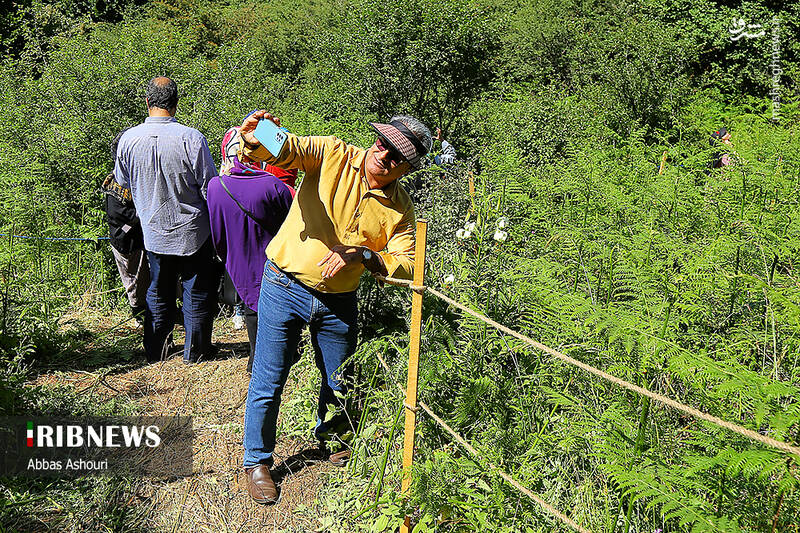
[562,113]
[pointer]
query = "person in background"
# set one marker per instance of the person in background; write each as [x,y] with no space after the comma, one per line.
[350,214]
[247,207]
[448,155]
[721,157]
[416,185]
[167,167]
[127,241]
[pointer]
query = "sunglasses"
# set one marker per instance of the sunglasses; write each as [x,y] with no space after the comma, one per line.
[394,156]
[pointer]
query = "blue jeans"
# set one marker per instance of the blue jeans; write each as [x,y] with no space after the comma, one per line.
[284,307]
[199,278]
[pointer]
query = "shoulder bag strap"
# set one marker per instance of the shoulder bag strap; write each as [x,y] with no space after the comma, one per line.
[245,211]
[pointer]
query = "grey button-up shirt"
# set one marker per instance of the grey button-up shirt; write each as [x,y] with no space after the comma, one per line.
[167,167]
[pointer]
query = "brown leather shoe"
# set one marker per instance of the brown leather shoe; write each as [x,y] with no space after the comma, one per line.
[260,485]
[339,458]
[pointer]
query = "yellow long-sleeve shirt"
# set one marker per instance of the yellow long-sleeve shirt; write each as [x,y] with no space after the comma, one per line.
[334,205]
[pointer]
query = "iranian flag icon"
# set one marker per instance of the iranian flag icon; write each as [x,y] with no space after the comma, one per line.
[30,434]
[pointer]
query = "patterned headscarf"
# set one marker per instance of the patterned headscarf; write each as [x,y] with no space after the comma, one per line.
[230,146]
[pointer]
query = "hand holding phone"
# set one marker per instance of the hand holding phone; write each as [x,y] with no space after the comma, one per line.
[271,136]
[251,121]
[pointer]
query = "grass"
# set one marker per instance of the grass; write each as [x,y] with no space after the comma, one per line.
[99,370]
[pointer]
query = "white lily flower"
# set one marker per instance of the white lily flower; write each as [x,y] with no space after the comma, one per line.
[502,222]
[500,235]
[462,234]
[450,278]
[469,226]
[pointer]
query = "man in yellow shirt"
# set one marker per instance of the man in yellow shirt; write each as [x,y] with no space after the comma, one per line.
[349,214]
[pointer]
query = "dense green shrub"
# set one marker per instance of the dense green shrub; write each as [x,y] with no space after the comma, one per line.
[683,281]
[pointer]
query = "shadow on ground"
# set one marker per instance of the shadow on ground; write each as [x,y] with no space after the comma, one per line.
[213,393]
[114,346]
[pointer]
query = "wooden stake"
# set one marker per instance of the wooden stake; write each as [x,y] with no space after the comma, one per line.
[663,162]
[413,365]
[471,195]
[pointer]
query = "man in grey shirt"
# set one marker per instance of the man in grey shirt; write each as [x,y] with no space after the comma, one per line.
[167,167]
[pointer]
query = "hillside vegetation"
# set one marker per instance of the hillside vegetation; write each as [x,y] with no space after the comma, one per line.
[584,124]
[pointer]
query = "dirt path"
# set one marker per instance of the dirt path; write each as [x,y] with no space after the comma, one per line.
[214,392]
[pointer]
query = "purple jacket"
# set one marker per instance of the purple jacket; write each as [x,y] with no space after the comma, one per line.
[239,240]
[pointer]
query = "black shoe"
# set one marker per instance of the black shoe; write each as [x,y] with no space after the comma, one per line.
[168,351]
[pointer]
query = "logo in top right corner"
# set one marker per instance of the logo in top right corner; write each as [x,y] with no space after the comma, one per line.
[741,29]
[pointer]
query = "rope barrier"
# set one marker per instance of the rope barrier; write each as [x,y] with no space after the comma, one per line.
[402,283]
[750,434]
[763,439]
[55,238]
[458,438]
[410,408]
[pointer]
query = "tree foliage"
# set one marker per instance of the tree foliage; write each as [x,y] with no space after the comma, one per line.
[583,123]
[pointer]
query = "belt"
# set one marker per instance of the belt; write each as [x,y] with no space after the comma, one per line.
[278,270]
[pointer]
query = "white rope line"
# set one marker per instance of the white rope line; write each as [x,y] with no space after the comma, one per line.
[768,441]
[401,283]
[458,438]
[750,434]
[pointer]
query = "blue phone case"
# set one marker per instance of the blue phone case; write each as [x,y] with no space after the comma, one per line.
[270,136]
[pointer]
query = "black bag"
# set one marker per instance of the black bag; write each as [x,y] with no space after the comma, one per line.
[124,227]
[227,292]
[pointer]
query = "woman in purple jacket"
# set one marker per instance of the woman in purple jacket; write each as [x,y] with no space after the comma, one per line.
[246,207]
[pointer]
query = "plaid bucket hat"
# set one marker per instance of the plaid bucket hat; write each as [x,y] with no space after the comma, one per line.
[403,141]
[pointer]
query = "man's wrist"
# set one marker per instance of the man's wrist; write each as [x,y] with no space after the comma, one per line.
[372,261]
[367,256]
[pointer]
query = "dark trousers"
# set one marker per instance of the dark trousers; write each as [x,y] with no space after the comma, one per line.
[251,322]
[230,296]
[198,276]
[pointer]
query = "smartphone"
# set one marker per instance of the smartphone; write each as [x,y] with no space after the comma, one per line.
[271,136]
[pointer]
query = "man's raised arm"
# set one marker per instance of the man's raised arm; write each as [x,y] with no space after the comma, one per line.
[301,153]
